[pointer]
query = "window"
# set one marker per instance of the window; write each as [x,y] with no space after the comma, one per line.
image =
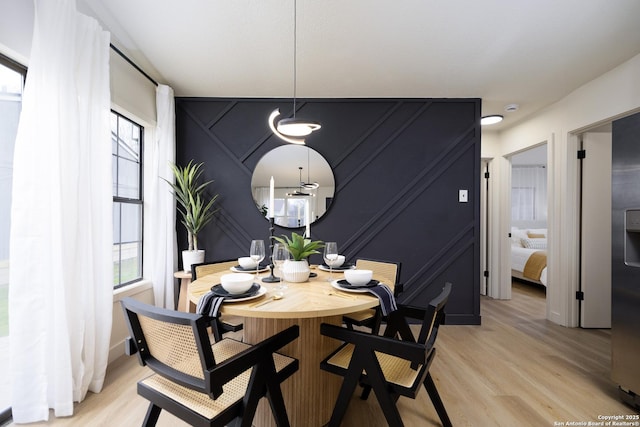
[12,76]
[126,149]
[523,204]
[528,193]
[291,211]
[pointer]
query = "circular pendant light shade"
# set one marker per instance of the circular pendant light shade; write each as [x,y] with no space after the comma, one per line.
[297,127]
[294,129]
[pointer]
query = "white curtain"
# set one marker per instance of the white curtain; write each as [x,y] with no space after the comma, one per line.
[162,203]
[61,275]
[528,193]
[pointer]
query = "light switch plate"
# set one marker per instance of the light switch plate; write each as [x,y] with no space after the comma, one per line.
[463,196]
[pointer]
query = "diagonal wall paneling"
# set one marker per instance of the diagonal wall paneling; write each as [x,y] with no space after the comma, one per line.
[398,166]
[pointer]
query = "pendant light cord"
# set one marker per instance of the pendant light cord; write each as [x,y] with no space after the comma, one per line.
[295,56]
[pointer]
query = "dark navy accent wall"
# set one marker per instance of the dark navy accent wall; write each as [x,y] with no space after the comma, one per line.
[398,166]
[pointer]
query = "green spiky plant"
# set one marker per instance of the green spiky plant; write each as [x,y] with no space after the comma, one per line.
[299,247]
[195,208]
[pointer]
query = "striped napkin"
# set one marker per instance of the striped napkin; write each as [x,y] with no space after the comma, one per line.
[209,304]
[384,294]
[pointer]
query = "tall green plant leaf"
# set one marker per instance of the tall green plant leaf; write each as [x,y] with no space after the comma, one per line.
[194,207]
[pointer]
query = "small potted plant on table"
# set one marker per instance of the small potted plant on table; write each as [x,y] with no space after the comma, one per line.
[297,269]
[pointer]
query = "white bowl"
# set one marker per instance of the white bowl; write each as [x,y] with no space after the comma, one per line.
[247,262]
[236,283]
[358,277]
[336,262]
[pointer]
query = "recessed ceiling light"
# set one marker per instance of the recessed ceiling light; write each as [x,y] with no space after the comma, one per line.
[491,120]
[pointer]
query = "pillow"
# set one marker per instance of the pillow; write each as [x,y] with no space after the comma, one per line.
[536,235]
[542,231]
[517,235]
[534,243]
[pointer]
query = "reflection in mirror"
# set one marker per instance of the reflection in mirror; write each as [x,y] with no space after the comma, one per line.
[303,185]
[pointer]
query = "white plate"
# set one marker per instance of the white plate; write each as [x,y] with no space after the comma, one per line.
[335,269]
[235,269]
[258,294]
[337,286]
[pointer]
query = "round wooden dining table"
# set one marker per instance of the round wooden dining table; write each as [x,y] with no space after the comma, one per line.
[310,394]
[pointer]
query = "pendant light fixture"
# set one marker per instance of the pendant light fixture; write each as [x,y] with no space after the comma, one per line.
[299,192]
[294,129]
[308,185]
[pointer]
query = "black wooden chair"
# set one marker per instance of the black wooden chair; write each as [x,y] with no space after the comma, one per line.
[387,272]
[200,383]
[393,365]
[226,323]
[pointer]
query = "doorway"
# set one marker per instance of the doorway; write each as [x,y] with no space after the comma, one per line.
[529,214]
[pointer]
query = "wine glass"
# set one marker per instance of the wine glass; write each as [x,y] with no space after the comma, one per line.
[280,256]
[330,255]
[257,253]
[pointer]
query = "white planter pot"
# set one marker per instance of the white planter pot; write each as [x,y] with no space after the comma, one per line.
[192,257]
[296,271]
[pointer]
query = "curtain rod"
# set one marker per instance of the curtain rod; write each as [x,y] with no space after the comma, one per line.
[126,58]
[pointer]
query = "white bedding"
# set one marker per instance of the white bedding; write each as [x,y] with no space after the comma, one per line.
[524,242]
[519,257]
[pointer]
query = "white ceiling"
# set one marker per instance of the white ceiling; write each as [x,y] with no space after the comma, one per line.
[527,52]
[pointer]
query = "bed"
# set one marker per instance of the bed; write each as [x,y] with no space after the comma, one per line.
[529,255]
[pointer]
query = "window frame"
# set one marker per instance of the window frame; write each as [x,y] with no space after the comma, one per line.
[5,61]
[139,201]
[15,66]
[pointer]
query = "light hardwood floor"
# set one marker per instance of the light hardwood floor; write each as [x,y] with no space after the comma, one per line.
[517,369]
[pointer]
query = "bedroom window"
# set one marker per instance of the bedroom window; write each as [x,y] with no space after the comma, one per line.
[528,193]
[523,204]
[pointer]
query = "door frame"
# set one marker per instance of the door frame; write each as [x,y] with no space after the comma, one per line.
[562,214]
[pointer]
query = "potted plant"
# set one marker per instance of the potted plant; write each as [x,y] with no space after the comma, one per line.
[194,206]
[297,269]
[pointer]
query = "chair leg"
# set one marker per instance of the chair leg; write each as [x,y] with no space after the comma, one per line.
[349,325]
[366,391]
[344,396]
[377,322]
[276,401]
[387,401]
[215,330]
[436,400]
[153,412]
[251,400]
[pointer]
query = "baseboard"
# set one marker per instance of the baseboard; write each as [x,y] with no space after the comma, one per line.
[462,319]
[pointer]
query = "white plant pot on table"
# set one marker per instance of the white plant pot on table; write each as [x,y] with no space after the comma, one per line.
[296,271]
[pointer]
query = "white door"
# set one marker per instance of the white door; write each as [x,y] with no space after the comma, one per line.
[595,310]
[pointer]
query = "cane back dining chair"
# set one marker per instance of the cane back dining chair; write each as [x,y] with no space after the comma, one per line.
[387,272]
[393,365]
[201,383]
[225,323]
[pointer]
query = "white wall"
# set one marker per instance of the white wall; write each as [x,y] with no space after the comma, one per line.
[612,95]
[16,26]
[131,94]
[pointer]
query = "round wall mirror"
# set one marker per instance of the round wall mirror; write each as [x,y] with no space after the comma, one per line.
[303,185]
